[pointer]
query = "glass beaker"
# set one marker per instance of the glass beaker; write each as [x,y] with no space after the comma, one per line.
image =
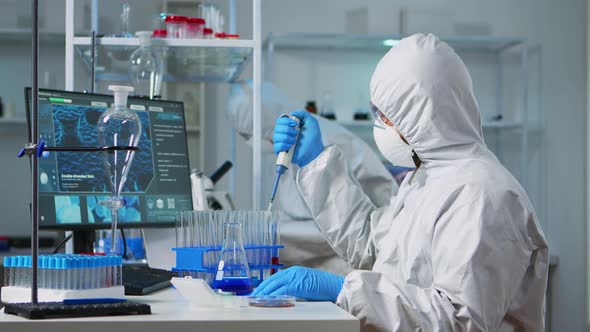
[233,271]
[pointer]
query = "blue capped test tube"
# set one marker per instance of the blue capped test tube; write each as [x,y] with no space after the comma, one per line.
[68,273]
[85,274]
[8,271]
[51,268]
[28,274]
[20,271]
[60,273]
[42,274]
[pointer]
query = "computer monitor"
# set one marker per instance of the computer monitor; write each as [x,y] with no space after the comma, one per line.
[71,184]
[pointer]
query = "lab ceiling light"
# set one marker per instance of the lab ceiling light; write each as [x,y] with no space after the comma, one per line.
[390,42]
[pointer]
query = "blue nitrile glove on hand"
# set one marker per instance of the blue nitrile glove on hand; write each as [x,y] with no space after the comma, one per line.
[304,283]
[309,145]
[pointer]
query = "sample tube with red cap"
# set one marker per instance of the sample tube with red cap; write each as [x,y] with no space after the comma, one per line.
[194,27]
[176,26]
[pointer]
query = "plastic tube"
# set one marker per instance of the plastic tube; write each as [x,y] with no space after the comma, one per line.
[68,273]
[42,264]
[7,270]
[28,274]
[119,267]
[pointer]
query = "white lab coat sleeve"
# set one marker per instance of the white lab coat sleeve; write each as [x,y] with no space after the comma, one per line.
[340,207]
[480,258]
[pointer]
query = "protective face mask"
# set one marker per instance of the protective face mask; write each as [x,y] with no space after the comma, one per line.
[392,147]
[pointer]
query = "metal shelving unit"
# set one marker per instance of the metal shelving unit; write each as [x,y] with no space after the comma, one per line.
[486,45]
[23,36]
[193,60]
[295,40]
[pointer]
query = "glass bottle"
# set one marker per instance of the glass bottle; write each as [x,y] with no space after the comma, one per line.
[118,126]
[233,271]
[146,68]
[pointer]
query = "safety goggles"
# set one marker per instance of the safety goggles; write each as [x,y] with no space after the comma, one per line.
[380,117]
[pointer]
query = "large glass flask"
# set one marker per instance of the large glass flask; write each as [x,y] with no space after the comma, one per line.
[146,68]
[118,126]
[233,272]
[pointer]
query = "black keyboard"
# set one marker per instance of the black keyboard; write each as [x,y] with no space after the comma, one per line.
[141,279]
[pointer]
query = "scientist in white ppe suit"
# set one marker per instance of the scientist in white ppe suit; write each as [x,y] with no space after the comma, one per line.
[304,243]
[459,248]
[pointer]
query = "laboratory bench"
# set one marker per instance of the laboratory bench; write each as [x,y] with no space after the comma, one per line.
[170,312]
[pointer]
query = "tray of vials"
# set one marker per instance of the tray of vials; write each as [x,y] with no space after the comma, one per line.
[62,277]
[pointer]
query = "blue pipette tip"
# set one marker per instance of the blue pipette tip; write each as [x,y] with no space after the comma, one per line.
[280,171]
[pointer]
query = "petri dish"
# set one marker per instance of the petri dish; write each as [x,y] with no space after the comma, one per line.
[272,301]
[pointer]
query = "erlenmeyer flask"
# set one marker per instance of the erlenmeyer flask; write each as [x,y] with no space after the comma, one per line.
[233,272]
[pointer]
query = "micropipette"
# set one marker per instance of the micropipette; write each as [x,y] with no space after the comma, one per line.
[283,161]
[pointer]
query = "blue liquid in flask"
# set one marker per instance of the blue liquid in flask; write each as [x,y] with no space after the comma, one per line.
[237,285]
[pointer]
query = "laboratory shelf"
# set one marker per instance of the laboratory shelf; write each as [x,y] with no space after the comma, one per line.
[19,35]
[187,60]
[294,40]
[486,125]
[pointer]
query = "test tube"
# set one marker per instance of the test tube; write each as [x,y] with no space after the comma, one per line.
[41,274]
[59,266]
[105,272]
[7,270]
[101,271]
[99,268]
[180,229]
[28,274]
[74,273]
[108,274]
[18,281]
[119,267]
[91,272]
[67,272]
[51,276]
[77,273]
[88,273]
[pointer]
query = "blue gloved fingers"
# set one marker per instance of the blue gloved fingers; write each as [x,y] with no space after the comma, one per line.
[273,283]
[301,115]
[286,121]
[283,138]
[263,285]
[284,129]
[284,290]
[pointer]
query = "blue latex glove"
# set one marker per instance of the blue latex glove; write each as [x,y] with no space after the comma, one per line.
[309,145]
[304,283]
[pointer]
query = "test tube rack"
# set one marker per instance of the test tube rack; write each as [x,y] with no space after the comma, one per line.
[190,261]
[63,277]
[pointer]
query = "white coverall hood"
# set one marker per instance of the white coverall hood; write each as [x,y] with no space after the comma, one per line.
[459,248]
[424,88]
[304,243]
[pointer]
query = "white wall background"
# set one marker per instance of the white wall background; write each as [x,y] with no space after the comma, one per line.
[560,27]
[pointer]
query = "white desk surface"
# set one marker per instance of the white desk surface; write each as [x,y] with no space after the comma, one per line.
[171,313]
